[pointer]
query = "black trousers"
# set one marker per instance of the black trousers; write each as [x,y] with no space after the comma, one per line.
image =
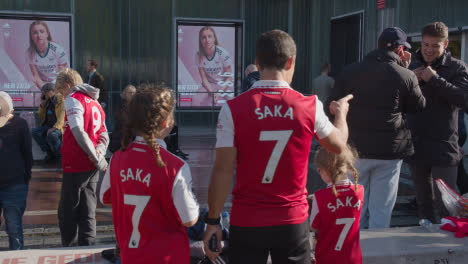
[430,205]
[77,208]
[286,244]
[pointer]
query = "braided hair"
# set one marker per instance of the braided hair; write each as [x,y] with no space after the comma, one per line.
[147,110]
[338,164]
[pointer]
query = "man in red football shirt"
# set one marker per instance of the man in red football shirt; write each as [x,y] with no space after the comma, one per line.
[85,142]
[267,133]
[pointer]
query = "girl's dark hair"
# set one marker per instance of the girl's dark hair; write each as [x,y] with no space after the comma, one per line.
[149,107]
[337,164]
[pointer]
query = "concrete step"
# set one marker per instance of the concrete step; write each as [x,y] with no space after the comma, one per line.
[48,237]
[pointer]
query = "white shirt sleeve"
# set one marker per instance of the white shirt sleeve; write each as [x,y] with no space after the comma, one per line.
[225,128]
[74,111]
[105,186]
[314,212]
[226,58]
[182,195]
[62,57]
[323,127]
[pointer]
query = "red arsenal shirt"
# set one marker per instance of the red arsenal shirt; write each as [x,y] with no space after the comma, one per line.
[81,110]
[337,221]
[150,204]
[272,127]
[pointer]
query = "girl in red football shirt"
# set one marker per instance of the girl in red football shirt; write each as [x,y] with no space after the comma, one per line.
[150,188]
[336,210]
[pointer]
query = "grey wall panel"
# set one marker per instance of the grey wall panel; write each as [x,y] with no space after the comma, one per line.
[451,12]
[261,16]
[227,9]
[346,6]
[302,25]
[132,39]
[60,6]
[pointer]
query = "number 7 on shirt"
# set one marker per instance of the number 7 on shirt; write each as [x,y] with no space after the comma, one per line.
[140,202]
[281,137]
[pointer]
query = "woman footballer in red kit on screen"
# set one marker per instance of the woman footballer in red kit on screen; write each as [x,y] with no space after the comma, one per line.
[150,188]
[336,210]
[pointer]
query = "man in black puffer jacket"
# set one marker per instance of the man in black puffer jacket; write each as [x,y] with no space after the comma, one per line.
[384,91]
[444,83]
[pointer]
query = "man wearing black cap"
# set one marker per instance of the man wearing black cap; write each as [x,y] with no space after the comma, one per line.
[384,90]
[52,114]
[444,82]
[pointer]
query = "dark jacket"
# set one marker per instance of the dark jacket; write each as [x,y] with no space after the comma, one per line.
[97,81]
[250,80]
[383,92]
[435,130]
[15,152]
[59,105]
[116,136]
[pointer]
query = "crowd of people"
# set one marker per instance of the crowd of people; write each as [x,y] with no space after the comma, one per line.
[388,108]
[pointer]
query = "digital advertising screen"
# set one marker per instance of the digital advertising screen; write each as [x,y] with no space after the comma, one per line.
[207,57]
[33,50]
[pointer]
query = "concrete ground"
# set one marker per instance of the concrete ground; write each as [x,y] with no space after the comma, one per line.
[40,220]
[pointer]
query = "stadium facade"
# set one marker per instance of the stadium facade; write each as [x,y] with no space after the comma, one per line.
[134,40]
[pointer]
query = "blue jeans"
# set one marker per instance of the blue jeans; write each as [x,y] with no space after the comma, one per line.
[380,180]
[48,143]
[13,204]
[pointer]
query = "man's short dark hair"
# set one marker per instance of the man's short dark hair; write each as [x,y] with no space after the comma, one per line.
[48,87]
[435,29]
[324,67]
[274,48]
[93,63]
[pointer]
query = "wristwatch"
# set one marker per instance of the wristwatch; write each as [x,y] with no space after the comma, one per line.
[212,221]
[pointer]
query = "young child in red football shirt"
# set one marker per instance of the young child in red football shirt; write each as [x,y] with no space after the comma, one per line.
[150,188]
[336,210]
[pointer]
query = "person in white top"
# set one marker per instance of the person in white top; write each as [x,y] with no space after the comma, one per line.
[45,57]
[215,66]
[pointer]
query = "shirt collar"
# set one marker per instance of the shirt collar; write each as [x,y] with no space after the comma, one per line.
[343,182]
[91,73]
[141,140]
[271,84]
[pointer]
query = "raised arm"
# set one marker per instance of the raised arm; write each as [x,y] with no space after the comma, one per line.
[454,92]
[338,137]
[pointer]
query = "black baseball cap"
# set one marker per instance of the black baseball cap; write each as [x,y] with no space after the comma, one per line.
[394,36]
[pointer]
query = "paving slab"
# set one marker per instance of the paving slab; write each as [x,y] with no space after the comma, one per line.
[413,245]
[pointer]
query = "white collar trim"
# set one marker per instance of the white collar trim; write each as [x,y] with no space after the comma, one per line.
[343,182]
[141,140]
[271,84]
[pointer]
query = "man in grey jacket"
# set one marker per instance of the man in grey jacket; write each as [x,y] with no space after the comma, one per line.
[85,142]
[384,91]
